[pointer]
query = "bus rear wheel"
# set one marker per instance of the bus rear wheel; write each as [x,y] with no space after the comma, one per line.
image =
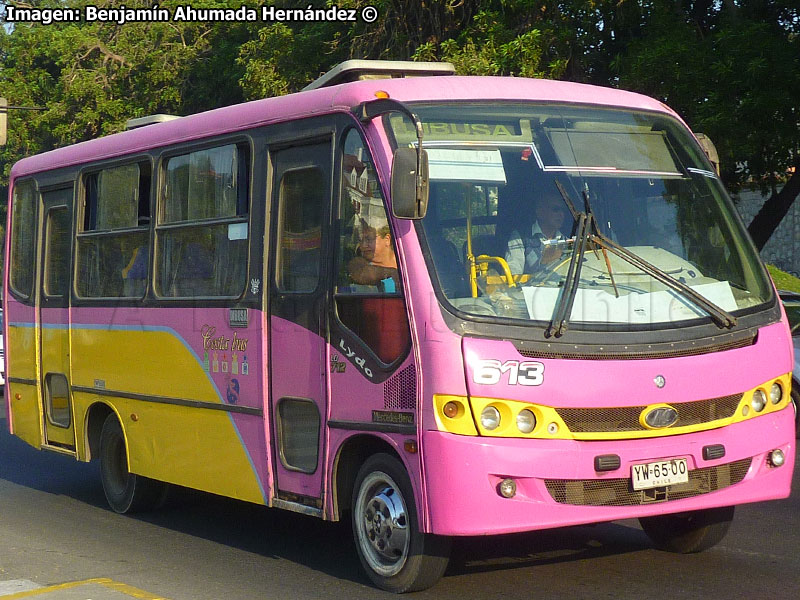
[394,553]
[689,532]
[125,491]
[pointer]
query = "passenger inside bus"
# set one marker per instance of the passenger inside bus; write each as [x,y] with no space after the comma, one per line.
[134,274]
[375,263]
[195,272]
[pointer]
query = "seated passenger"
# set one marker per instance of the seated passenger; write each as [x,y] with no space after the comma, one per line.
[375,264]
[195,271]
[526,252]
[134,274]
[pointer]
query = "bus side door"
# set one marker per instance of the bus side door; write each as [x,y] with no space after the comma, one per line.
[301,197]
[53,324]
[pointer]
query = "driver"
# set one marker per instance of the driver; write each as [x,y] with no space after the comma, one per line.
[527,253]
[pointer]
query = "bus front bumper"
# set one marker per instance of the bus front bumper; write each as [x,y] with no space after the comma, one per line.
[557,485]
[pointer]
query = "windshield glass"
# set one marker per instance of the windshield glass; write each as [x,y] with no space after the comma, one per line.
[501,234]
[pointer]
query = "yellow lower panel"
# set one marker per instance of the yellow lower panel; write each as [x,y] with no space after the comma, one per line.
[197,448]
[25,412]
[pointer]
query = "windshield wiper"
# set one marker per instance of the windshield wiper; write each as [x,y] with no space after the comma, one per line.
[589,233]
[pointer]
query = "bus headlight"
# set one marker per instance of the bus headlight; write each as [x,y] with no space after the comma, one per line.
[759,400]
[490,418]
[775,393]
[776,458]
[526,421]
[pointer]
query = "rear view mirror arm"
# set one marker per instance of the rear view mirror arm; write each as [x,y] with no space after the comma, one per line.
[375,108]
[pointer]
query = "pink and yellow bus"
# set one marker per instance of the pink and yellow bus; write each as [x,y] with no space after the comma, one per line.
[437,306]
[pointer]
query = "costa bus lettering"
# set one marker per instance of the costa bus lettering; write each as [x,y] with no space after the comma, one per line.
[213,342]
[490,371]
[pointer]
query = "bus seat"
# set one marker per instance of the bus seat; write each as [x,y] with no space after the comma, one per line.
[449,267]
[194,275]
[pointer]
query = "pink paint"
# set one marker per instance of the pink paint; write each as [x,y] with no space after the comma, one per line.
[462,474]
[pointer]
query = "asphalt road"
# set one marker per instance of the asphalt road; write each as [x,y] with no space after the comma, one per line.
[55,528]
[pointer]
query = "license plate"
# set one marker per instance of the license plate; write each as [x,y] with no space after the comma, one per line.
[659,474]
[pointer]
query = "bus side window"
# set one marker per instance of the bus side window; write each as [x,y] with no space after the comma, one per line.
[113,237]
[369,298]
[23,230]
[202,230]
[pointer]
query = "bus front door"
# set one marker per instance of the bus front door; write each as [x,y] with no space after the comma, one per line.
[53,323]
[301,195]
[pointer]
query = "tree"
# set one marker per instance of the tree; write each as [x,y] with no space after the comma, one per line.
[92,77]
[733,71]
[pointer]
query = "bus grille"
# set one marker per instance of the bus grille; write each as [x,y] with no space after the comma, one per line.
[595,420]
[619,492]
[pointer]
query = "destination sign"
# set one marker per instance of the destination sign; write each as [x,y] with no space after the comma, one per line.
[506,131]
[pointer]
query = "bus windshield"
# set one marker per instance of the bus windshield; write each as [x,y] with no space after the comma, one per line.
[511,185]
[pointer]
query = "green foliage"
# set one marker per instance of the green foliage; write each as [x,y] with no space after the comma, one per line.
[731,69]
[92,77]
[783,280]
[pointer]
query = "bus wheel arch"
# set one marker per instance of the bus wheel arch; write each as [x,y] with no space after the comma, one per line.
[125,492]
[95,417]
[351,455]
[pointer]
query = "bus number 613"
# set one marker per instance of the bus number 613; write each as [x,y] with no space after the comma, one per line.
[490,371]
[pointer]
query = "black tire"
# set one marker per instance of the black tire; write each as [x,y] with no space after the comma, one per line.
[394,553]
[796,402]
[689,532]
[125,491]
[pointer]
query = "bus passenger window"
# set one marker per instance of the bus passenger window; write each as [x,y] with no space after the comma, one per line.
[369,298]
[113,236]
[23,230]
[202,231]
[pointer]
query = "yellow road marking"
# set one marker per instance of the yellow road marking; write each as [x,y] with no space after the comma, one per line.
[109,583]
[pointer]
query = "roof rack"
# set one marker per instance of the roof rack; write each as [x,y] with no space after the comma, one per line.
[148,120]
[356,70]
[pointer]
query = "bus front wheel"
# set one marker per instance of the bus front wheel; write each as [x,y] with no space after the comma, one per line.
[125,491]
[689,532]
[395,554]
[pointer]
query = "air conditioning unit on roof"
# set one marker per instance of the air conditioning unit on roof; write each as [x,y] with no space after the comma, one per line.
[148,120]
[357,70]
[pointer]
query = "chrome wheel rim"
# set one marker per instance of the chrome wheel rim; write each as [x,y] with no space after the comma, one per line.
[382,526]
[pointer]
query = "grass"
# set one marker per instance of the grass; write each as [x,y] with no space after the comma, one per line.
[784,281]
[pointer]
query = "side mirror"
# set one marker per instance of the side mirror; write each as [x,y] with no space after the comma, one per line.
[410,183]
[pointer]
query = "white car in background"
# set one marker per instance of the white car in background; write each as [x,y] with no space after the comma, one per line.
[791,302]
[2,353]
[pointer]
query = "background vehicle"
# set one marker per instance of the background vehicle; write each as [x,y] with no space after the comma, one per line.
[2,353]
[791,302]
[181,302]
